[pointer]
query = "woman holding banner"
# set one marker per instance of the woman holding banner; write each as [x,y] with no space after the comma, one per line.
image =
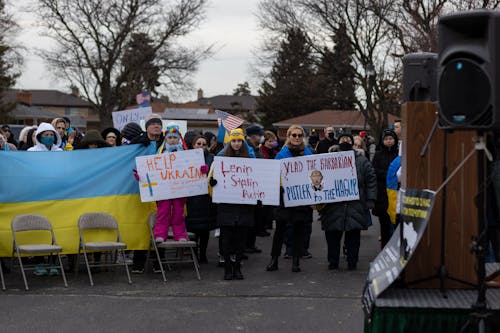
[349,216]
[294,146]
[234,219]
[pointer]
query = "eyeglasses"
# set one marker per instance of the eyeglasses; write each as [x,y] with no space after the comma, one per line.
[295,135]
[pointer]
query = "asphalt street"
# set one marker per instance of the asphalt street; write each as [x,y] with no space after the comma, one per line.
[314,300]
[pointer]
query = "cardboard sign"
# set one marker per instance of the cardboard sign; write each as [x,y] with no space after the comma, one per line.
[121,118]
[416,208]
[246,180]
[171,175]
[319,179]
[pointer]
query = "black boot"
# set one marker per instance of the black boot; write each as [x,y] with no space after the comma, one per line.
[237,275]
[273,264]
[295,264]
[228,269]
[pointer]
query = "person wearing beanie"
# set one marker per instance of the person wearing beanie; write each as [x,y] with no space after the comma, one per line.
[112,137]
[92,139]
[233,219]
[129,132]
[383,157]
[171,211]
[349,217]
[154,135]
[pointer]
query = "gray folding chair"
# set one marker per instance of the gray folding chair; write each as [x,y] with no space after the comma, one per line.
[171,244]
[1,277]
[100,222]
[34,222]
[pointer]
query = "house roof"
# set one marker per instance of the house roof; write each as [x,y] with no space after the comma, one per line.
[229,102]
[335,118]
[189,114]
[32,112]
[45,97]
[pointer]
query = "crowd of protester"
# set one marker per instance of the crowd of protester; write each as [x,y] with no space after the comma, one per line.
[239,224]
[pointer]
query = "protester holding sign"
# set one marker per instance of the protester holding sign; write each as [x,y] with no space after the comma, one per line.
[349,216]
[171,212]
[294,146]
[234,219]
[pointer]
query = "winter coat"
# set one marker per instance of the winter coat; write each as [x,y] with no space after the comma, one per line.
[351,215]
[381,162]
[201,212]
[292,214]
[40,146]
[268,153]
[324,145]
[256,150]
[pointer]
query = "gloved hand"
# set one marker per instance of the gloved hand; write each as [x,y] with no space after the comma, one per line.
[370,204]
[136,175]
[212,181]
[204,169]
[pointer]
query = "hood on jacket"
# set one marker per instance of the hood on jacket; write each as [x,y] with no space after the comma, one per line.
[47,127]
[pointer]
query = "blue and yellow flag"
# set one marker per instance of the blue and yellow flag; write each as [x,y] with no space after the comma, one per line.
[64,185]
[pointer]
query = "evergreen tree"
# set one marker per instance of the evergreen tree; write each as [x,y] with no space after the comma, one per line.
[8,61]
[335,79]
[140,71]
[289,91]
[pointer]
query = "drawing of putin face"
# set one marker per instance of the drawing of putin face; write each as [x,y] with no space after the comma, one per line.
[316,179]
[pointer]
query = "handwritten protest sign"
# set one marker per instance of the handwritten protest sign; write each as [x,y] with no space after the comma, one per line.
[171,175]
[318,179]
[246,180]
[121,118]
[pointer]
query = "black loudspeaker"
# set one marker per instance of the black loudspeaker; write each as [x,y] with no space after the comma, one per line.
[467,69]
[419,77]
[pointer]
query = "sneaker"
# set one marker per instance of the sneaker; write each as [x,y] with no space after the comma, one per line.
[53,271]
[137,270]
[40,271]
[156,269]
[182,240]
[159,240]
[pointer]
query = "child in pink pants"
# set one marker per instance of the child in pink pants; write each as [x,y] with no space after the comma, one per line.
[171,212]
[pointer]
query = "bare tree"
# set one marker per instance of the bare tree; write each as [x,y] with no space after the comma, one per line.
[93,35]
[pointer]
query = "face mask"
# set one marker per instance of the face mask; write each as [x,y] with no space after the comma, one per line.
[345,146]
[47,141]
[274,144]
[331,135]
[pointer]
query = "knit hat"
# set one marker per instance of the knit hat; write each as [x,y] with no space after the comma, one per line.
[389,132]
[92,137]
[345,134]
[131,131]
[236,134]
[153,119]
[254,130]
[172,130]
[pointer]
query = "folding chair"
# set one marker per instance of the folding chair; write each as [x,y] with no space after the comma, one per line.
[34,222]
[1,277]
[170,244]
[100,222]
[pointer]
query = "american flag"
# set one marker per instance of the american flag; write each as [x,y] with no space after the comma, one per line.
[229,121]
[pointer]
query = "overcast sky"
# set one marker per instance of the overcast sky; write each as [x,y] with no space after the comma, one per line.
[230,24]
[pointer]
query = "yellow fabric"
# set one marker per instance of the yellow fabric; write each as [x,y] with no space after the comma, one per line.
[127,209]
[392,196]
[68,146]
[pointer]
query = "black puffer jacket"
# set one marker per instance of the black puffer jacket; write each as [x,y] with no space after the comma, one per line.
[351,215]
[201,212]
[381,162]
[234,215]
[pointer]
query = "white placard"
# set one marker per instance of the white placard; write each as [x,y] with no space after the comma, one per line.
[318,179]
[171,175]
[246,180]
[121,118]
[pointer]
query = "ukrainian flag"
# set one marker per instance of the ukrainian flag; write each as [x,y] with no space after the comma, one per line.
[64,185]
